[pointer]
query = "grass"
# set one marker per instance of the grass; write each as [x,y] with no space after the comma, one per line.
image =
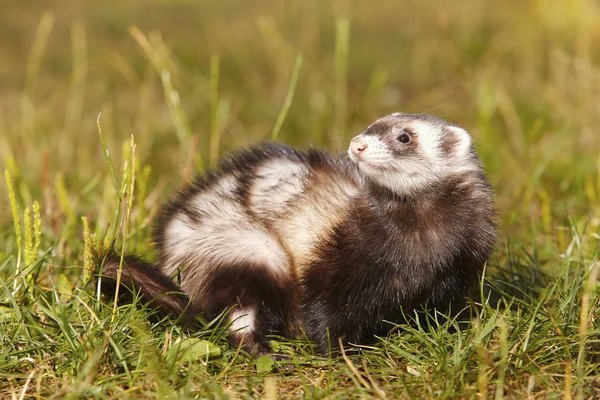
[193,80]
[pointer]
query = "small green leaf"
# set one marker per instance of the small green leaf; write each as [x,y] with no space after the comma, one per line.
[192,349]
[7,314]
[264,364]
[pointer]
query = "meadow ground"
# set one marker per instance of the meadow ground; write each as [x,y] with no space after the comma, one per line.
[192,80]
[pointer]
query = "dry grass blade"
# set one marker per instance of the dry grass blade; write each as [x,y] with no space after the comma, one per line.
[358,375]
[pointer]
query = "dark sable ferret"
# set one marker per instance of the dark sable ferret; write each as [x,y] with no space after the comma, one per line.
[303,240]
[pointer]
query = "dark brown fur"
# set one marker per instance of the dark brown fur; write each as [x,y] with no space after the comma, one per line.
[352,290]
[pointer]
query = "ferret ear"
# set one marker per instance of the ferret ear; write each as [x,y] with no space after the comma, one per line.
[458,141]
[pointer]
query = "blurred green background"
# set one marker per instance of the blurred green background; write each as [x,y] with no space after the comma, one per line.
[195,79]
[521,76]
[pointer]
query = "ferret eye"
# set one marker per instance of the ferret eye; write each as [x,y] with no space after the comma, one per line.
[404,138]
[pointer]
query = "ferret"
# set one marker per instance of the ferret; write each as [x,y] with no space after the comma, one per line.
[295,242]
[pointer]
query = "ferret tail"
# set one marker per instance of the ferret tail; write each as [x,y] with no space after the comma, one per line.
[155,289]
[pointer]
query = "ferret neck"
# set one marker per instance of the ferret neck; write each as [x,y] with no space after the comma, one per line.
[385,194]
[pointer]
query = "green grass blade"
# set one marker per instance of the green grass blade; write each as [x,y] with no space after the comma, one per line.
[288,98]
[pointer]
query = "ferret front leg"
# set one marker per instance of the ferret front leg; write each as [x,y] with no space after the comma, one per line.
[336,307]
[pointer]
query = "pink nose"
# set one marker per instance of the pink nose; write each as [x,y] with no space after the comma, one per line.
[357,146]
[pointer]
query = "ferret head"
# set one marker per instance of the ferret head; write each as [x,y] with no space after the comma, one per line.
[407,153]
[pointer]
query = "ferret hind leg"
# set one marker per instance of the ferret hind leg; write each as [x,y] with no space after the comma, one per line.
[227,258]
[260,303]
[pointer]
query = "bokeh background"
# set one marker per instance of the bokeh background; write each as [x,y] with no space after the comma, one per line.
[521,76]
[194,79]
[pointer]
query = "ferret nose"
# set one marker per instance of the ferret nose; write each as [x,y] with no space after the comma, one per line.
[358,145]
